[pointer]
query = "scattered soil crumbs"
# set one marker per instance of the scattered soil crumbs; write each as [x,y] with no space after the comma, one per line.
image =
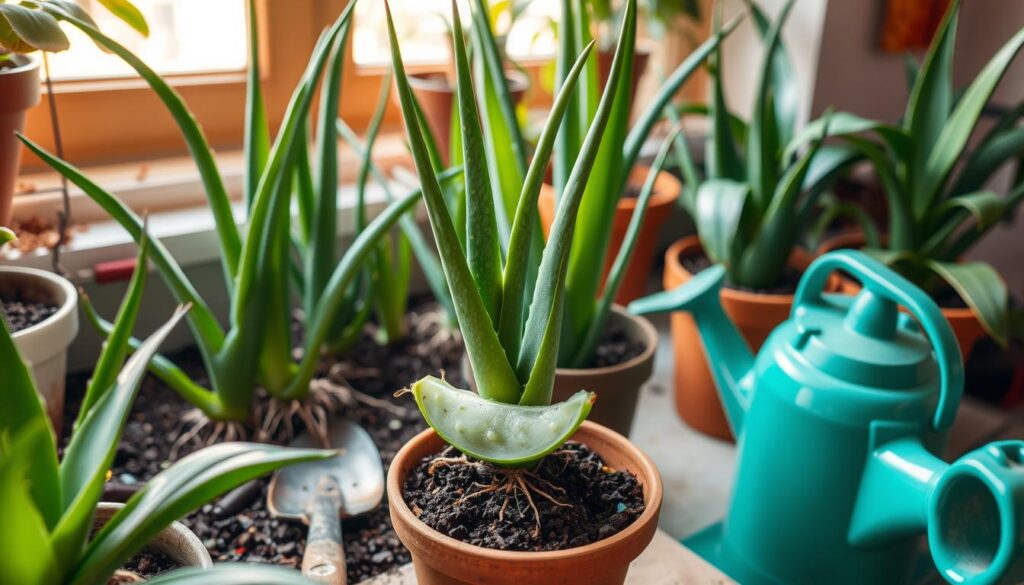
[238,527]
[593,501]
[23,313]
[790,277]
[147,564]
[37,232]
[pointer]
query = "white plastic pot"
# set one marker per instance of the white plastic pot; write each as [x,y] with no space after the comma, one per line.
[44,346]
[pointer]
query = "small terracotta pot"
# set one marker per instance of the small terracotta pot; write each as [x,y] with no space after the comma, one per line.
[442,560]
[176,542]
[19,92]
[641,56]
[967,329]
[436,96]
[44,346]
[617,387]
[755,315]
[666,192]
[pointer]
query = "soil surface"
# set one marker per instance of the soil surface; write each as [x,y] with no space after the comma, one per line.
[578,498]
[615,347]
[22,313]
[148,564]
[790,277]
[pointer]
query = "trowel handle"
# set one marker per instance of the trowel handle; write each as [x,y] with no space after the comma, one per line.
[324,561]
[882,281]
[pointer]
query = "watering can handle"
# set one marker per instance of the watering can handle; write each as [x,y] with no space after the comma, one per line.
[884,282]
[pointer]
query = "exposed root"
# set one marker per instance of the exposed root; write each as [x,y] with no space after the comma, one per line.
[205,431]
[349,396]
[432,325]
[510,481]
[350,371]
[313,411]
[122,577]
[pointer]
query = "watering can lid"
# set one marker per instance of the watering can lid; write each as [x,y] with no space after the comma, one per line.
[864,340]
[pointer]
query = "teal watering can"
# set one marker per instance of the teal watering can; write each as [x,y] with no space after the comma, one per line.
[838,420]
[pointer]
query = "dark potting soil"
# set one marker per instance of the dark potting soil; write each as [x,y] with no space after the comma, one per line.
[594,501]
[23,313]
[790,276]
[148,564]
[246,531]
[614,347]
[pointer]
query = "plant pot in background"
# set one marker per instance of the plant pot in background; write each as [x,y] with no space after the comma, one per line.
[640,58]
[19,92]
[176,542]
[666,192]
[436,96]
[967,329]
[44,346]
[617,387]
[755,315]
[442,560]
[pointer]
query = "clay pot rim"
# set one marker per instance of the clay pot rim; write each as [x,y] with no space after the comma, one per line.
[107,510]
[23,64]
[646,470]
[651,346]
[52,283]
[666,189]
[435,81]
[687,244]
[643,47]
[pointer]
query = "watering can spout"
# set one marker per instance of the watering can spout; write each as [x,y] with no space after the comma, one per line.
[728,355]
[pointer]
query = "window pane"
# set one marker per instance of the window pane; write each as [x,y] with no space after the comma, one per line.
[422,29]
[186,36]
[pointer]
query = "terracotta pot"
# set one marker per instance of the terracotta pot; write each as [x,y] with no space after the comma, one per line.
[967,329]
[436,96]
[617,387]
[641,56]
[19,91]
[442,560]
[755,315]
[176,542]
[44,346]
[666,191]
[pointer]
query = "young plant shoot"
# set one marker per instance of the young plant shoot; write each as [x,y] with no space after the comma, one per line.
[938,202]
[511,342]
[49,505]
[258,263]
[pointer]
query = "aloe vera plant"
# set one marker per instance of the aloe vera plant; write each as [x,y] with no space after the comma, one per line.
[49,505]
[756,198]
[258,262]
[935,187]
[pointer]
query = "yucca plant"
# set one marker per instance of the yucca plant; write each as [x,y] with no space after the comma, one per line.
[257,262]
[935,187]
[756,198]
[49,506]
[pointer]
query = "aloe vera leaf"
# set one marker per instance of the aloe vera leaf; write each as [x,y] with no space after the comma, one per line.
[585,351]
[482,246]
[989,158]
[510,435]
[216,192]
[551,270]
[541,382]
[785,97]
[567,139]
[495,378]
[256,142]
[720,204]
[90,453]
[956,132]
[510,329]
[115,346]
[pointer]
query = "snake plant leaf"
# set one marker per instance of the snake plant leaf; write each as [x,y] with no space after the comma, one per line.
[90,453]
[199,147]
[495,378]
[720,204]
[23,30]
[986,207]
[785,98]
[128,13]
[510,328]
[183,487]
[955,133]
[28,554]
[911,69]
[256,141]
[844,125]
[23,408]
[931,97]
[988,158]
[482,246]
[232,574]
[509,435]
[115,347]
[984,291]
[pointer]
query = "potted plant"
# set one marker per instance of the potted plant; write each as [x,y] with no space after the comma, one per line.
[511,437]
[750,207]
[937,200]
[55,530]
[258,264]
